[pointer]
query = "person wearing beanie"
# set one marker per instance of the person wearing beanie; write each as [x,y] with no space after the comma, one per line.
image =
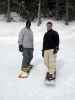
[25,42]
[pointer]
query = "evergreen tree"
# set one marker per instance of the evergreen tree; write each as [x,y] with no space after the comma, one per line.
[59,9]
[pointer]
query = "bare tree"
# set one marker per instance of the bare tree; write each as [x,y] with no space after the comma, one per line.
[8,12]
[39,13]
[57,9]
[67,12]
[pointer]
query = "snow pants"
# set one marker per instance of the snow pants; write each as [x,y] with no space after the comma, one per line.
[27,57]
[50,60]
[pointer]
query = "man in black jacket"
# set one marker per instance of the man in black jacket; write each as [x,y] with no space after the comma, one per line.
[50,49]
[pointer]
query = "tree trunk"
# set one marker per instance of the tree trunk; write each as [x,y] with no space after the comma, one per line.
[39,13]
[67,12]
[8,12]
[57,9]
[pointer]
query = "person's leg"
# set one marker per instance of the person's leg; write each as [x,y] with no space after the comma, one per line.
[52,62]
[51,74]
[30,55]
[27,57]
[46,58]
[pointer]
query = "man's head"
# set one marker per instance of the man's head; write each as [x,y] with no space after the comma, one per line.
[49,26]
[28,23]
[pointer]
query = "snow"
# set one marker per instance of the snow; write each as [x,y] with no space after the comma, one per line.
[33,88]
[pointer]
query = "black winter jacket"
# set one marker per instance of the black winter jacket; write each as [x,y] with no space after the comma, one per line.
[50,40]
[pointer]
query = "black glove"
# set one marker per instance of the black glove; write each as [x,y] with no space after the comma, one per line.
[55,50]
[42,53]
[20,48]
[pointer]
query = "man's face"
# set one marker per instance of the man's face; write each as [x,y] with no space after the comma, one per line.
[49,27]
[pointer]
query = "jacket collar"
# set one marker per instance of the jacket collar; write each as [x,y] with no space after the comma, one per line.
[50,30]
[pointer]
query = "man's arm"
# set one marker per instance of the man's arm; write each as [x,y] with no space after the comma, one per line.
[20,41]
[43,46]
[56,43]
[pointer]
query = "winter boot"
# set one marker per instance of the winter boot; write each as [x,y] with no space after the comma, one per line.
[23,74]
[50,77]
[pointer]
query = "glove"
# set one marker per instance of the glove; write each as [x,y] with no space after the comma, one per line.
[55,50]
[20,48]
[42,53]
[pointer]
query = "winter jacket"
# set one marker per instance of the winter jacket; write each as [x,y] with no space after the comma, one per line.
[50,40]
[26,38]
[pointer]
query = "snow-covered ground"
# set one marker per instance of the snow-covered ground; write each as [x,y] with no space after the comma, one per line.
[33,88]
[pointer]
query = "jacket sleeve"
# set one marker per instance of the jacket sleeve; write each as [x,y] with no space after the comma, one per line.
[32,39]
[43,43]
[57,40]
[20,38]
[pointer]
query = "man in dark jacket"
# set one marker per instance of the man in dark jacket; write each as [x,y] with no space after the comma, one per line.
[50,49]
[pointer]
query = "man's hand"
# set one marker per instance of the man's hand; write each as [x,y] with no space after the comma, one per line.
[55,50]
[42,53]
[20,48]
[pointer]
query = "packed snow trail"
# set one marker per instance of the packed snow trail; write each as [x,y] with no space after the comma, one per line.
[33,88]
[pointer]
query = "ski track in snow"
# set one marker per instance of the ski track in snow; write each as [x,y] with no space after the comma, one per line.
[33,88]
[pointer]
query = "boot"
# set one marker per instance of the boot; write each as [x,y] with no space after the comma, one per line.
[23,74]
[50,77]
